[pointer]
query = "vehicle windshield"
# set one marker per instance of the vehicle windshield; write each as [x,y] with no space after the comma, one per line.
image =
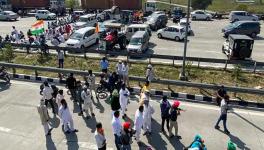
[234,25]
[83,19]
[136,41]
[76,36]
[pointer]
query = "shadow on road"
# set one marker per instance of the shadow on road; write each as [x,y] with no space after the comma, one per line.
[72,141]
[50,144]
[257,127]
[90,123]
[240,144]
[4,86]
[98,105]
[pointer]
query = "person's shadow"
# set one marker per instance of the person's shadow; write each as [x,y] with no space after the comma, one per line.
[50,144]
[76,108]
[90,123]
[98,105]
[54,122]
[155,139]
[72,141]
[4,86]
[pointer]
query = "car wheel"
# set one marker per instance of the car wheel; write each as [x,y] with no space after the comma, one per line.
[207,18]
[37,17]
[253,35]
[177,38]
[193,18]
[159,36]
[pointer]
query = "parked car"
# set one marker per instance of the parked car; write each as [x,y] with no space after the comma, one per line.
[250,28]
[139,42]
[177,14]
[8,15]
[238,47]
[242,16]
[201,15]
[77,14]
[88,20]
[172,32]
[45,14]
[183,23]
[82,38]
[32,13]
[157,21]
[133,28]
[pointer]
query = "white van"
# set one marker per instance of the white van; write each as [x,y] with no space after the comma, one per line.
[88,20]
[83,37]
[242,16]
[139,42]
[45,14]
[133,28]
[172,32]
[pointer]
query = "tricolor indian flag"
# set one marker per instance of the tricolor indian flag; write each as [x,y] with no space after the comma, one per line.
[38,28]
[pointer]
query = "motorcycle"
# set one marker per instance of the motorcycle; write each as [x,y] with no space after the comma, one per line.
[4,75]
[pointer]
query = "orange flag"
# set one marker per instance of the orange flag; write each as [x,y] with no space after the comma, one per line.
[97,28]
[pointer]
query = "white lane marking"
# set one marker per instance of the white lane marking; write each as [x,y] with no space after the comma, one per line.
[88,145]
[3,129]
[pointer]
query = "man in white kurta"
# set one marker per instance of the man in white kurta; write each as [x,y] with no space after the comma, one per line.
[87,101]
[147,115]
[138,122]
[123,99]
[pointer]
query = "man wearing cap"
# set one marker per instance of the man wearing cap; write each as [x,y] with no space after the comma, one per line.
[138,122]
[123,99]
[117,129]
[147,115]
[126,136]
[150,73]
[175,111]
[44,117]
[86,97]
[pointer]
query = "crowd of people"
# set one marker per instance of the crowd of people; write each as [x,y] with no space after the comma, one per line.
[84,93]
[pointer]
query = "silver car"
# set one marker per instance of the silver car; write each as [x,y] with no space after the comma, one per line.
[8,15]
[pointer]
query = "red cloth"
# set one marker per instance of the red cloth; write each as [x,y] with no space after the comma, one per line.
[126,125]
[109,37]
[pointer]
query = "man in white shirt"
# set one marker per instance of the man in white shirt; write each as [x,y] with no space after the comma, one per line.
[123,99]
[138,122]
[117,129]
[223,115]
[125,70]
[119,66]
[90,79]
[88,104]
[47,96]
[100,137]
[147,115]
[60,58]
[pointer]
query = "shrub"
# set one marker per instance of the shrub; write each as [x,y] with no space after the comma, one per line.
[242,7]
[8,53]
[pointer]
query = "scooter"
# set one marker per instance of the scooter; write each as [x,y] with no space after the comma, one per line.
[5,76]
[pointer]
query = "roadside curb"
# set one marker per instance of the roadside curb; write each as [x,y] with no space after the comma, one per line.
[158,93]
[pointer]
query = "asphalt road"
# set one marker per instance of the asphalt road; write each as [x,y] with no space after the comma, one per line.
[206,41]
[20,126]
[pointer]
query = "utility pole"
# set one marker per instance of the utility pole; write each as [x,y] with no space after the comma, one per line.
[183,75]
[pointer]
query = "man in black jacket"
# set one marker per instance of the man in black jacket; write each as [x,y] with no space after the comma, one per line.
[126,136]
[71,85]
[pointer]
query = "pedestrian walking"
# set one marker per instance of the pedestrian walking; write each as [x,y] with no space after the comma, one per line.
[59,97]
[220,95]
[79,99]
[138,124]
[71,85]
[119,66]
[44,117]
[165,108]
[100,137]
[150,75]
[87,102]
[147,115]
[117,128]
[175,111]
[126,136]
[66,117]
[47,96]
[90,79]
[223,115]
[123,100]
[60,59]
[125,70]
[114,101]
[104,65]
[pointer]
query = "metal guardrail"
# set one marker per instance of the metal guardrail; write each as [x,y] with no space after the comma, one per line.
[244,63]
[163,81]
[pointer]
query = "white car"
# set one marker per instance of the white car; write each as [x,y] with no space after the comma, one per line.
[242,16]
[172,32]
[82,38]
[8,15]
[88,20]
[45,14]
[201,15]
[183,23]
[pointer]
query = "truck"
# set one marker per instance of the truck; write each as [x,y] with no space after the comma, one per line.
[29,4]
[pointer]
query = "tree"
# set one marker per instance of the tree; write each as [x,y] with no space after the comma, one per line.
[201,4]
[72,3]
